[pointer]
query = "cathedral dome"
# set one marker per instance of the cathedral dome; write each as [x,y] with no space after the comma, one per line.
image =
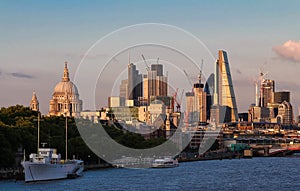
[65,87]
[65,99]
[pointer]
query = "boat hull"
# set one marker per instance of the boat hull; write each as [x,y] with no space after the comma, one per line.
[41,171]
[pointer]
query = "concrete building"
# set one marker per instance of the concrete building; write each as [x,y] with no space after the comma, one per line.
[259,114]
[34,103]
[220,114]
[157,111]
[114,101]
[65,99]
[223,87]
[93,116]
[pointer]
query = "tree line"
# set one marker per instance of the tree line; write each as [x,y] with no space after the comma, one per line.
[18,130]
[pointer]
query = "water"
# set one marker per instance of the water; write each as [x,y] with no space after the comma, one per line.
[243,174]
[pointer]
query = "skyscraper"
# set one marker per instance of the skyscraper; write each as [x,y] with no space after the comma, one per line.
[155,83]
[135,83]
[279,97]
[224,93]
[267,88]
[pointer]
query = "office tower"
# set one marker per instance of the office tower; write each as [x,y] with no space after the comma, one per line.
[223,88]
[285,113]
[209,89]
[267,90]
[135,83]
[124,89]
[155,83]
[200,101]
[158,68]
[279,97]
[191,114]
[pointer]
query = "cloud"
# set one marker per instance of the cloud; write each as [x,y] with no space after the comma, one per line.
[21,75]
[290,50]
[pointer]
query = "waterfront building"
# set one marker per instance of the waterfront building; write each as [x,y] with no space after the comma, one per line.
[65,99]
[220,114]
[93,116]
[125,114]
[258,114]
[34,103]
[223,87]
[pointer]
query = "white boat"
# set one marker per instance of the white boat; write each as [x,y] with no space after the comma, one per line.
[165,163]
[47,164]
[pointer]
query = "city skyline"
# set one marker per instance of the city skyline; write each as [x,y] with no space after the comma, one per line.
[39,37]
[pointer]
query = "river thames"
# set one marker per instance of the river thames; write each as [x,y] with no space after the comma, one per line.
[237,174]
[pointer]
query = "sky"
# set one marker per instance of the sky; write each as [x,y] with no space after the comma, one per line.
[37,37]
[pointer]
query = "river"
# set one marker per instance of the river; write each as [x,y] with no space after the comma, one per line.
[237,174]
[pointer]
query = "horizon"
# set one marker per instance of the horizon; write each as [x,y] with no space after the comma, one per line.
[38,37]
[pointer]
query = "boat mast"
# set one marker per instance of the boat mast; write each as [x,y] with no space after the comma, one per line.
[38,133]
[66,137]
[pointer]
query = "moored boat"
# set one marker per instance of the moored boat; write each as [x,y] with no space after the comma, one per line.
[46,164]
[165,163]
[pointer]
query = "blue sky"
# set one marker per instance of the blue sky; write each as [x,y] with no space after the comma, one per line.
[38,36]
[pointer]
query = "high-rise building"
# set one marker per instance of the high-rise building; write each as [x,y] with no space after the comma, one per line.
[279,97]
[267,90]
[209,89]
[155,83]
[34,103]
[135,83]
[158,68]
[124,89]
[224,92]
[200,101]
[285,113]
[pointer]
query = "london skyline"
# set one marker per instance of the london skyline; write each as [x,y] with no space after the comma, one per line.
[38,37]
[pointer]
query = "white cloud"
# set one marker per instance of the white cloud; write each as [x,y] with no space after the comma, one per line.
[289,50]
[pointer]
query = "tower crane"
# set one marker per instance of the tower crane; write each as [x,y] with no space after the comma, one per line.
[147,66]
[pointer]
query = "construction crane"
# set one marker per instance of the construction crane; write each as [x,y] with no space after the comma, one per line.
[178,102]
[147,66]
[189,79]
